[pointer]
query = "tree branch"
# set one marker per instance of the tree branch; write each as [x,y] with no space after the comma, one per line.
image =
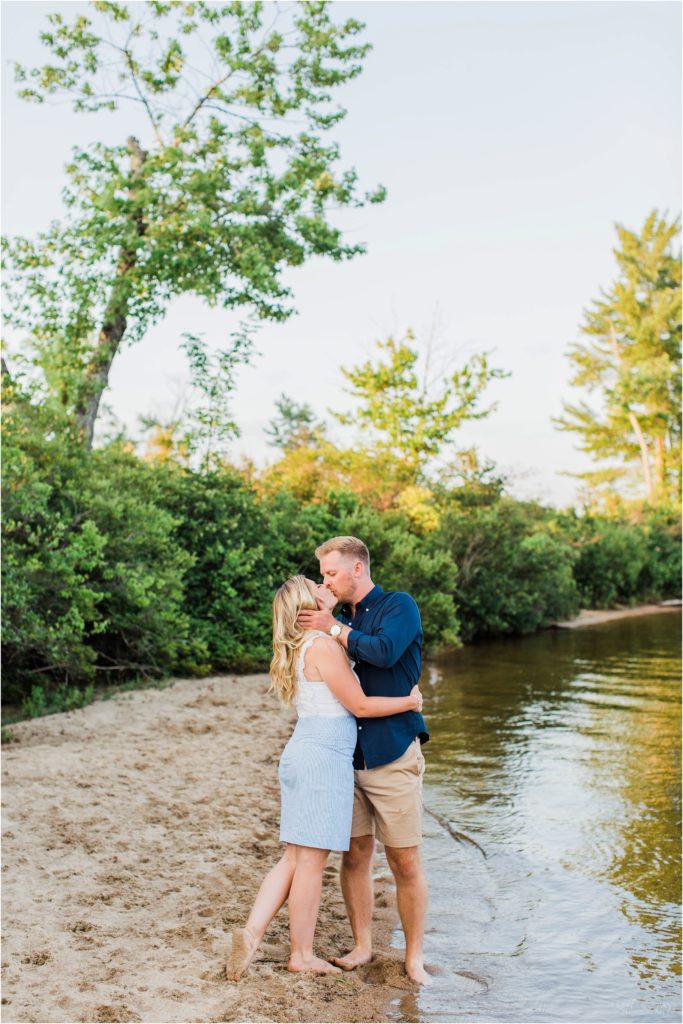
[143,98]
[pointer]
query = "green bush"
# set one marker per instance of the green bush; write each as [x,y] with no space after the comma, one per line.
[61,698]
[660,576]
[144,629]
[92,579]
[513,577]
[229,585]
[400,558]
[611,559]
[50,600]
[116,569]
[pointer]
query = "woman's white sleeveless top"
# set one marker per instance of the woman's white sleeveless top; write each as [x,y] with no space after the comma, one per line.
[314,697]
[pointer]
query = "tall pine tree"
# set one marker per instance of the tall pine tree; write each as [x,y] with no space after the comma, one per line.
[630,359]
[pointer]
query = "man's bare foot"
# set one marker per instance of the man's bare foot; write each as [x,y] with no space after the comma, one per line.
[244,945]
[417,973]
[313,966]
[356,958]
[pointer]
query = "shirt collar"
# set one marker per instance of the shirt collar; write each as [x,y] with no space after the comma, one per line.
[366,602]
[371,597]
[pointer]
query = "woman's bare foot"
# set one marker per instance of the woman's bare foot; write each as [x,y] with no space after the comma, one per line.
[313,966]
[356,958]
[417,973]
[244,945]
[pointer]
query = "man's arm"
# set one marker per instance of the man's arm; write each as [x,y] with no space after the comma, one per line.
[399,626]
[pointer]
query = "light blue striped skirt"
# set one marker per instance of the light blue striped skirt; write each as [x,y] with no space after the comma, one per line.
[316,783]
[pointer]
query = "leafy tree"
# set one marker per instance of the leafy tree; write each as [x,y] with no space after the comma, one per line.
[295,425]
[312,471]
[414,417]
[406,423]
[210,425]
[233,184]
[631,359]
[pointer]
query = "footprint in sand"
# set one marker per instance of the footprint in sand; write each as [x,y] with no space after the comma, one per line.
[106,1012]
[37,958]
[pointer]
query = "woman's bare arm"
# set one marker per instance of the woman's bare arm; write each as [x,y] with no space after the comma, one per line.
[333,667]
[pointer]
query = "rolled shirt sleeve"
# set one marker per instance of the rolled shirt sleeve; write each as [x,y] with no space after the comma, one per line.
[399,626]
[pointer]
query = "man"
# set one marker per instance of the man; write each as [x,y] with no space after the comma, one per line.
[382,633]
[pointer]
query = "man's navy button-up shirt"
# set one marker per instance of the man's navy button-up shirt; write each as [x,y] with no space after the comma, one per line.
[386,644]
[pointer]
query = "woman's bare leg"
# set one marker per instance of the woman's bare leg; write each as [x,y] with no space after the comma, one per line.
[271,897]
[304,903]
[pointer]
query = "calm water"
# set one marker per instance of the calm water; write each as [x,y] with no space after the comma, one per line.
[560,754]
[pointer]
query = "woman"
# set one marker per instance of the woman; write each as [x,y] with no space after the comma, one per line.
[312,671]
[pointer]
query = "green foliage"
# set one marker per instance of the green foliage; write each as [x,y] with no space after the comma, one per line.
[631,359]
[209,424]
[610,564]
[620,562]
[413,417]
[92,581]
[401,558]
[60,698]
[295,425]
[50,600]
[234,185]
[143,570]
[660,576]
[311,470]
[113,564]
[513,576]
[229,586]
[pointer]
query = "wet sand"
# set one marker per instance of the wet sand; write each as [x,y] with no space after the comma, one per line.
[594,616]
[136,832]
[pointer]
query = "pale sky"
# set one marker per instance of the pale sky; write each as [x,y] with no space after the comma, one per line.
[511,137]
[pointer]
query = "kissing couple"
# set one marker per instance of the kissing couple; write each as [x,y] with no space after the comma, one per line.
[352,769]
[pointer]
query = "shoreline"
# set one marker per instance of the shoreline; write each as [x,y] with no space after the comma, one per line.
[137,831]
[596,616]
[586,617]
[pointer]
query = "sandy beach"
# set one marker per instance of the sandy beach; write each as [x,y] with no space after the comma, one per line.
[595,616]
[136,832]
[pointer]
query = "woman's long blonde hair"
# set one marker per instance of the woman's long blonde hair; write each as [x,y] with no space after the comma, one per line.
[288,636]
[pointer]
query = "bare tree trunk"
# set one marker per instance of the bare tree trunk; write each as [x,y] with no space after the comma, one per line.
[6,375]
[633,419]
[115,318]
[659,464]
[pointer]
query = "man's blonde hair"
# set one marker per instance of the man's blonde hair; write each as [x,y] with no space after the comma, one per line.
[351,546]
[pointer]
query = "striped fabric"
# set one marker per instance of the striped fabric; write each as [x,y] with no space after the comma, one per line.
[316,779]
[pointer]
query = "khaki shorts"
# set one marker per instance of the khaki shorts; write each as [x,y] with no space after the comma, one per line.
[387,801]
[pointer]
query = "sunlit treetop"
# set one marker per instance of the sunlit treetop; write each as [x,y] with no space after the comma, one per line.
[232,181]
